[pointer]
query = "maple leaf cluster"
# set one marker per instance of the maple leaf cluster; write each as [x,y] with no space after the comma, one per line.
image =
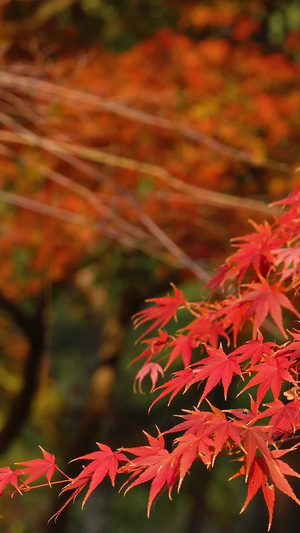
[260,280]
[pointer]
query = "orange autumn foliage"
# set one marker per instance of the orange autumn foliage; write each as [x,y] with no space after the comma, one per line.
[122,145]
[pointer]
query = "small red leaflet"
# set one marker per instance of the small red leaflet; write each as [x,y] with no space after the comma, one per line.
[216,367]
[255,350]
[266,299]
[38,467]
[7,475]
[258,477]
[270,375]
[154,369]
[154,463]
[162,312]
[267,472]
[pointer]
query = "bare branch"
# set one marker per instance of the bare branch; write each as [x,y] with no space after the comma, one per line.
[34,87]
[204,196]
[67,216]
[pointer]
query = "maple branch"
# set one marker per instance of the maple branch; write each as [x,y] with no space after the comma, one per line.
[68,216]
[62,214]
[27,136]
[153,228]
[34,86]
[98,156]
[160,235]
[203,196]
[95,155]
[288,439]
[175,250]
[27,488]
[94,201]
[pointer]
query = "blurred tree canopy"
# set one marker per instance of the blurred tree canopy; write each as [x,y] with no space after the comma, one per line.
[136,139]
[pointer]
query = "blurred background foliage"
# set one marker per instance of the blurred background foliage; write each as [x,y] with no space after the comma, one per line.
[136,139]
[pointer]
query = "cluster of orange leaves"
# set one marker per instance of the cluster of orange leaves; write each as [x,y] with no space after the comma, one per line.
[119,147]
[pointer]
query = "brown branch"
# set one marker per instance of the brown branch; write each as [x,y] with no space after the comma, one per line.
[204,196]
[158,233]
[27,137]
[175,250]
[34,87]
[94,201]
[67,216]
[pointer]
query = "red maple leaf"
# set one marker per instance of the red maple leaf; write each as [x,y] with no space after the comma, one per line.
[154,369]
[290,257]
[266,299]
[103,462]
[262,471]
[194,422]
[223,431]
[258,477]
[284,417]
[254,350]
[156,345]
[162,312]
[292,349]
[277,471]
[189,448]
[248,416]
[181,380]
[292,199]
[7,475]
[254,251]
[39,467]
[207,329]
[219,279]
[218,366]
[154,463]
[270,375]
[194,426]
[232,311]
[183,345]
[255,438]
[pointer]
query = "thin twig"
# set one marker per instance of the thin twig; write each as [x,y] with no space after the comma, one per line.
[62,214]
[204,196]
[153,228]
[94,201]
